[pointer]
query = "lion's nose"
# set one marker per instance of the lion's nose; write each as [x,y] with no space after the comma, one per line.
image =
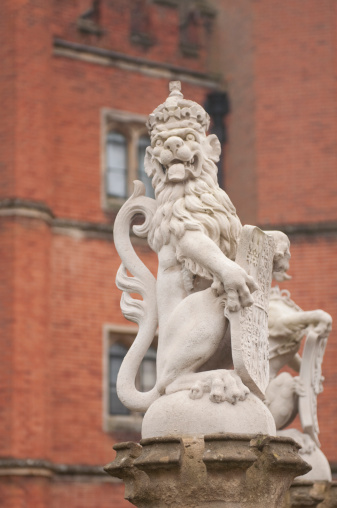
[173,143]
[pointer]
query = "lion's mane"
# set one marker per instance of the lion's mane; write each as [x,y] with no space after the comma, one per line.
[196,205]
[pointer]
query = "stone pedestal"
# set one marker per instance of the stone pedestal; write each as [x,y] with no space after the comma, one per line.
[221,470]
[330,497]
[304,493]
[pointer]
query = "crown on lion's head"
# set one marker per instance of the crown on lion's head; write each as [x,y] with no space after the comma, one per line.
[180,146]
[177,112]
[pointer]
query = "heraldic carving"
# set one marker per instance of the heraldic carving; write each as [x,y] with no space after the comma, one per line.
[213,279]
[287,395]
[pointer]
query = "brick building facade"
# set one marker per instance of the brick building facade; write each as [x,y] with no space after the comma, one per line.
[71,74]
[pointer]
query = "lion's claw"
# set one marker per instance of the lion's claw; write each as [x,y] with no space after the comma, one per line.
[196,392]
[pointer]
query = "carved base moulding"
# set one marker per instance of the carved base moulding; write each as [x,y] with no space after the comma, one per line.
[330,498]
[303,493]
[222,470]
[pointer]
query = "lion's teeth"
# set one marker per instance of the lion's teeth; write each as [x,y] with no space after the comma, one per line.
[189,164]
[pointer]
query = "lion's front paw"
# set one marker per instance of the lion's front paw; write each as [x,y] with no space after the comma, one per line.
[238,287]
[229,388]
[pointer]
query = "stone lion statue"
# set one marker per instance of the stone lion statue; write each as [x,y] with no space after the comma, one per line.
[193,227]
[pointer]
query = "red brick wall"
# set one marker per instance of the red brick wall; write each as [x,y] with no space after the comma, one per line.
[280,63]
[7,333]
[28,43]
[25,376]
[234,55]
[7,93]
[115,22]
[43,492]
[296,110]
[27,491]
[83,495]
[31,419]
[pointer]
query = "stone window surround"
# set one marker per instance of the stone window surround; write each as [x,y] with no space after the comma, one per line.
[132,126]
[124,335]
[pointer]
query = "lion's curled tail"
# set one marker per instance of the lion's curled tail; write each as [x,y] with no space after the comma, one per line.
[143,312]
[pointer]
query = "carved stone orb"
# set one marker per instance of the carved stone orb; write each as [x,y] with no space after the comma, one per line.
[178,415]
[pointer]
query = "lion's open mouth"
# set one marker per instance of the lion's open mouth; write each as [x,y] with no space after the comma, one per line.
[178,170]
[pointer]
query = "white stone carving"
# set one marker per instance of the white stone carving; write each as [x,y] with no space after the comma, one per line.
[193,227]
[312,382]
[287,396]
[143,312]
[312,454]
[249,326]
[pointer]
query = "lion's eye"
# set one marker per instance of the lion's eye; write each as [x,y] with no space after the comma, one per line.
[159,142]
[190,137]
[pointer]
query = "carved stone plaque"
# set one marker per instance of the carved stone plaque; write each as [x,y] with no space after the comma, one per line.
[249,326]
[311,379]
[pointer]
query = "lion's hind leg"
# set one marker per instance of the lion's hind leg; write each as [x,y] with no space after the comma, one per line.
[197,383]
[282,399]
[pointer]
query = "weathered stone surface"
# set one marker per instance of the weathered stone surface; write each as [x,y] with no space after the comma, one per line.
[223,470]
[311,453]
[330,498]
[305,493]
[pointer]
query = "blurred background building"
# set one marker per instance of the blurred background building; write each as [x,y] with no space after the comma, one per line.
[77,81]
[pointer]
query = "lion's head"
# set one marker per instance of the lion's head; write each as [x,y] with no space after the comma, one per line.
[178,154]
[178,140]
[182,164]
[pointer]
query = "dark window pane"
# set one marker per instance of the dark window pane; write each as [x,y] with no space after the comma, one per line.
[115,364]
[118,350]
[116,355]
[115,405]
[146,378]
[116,161]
